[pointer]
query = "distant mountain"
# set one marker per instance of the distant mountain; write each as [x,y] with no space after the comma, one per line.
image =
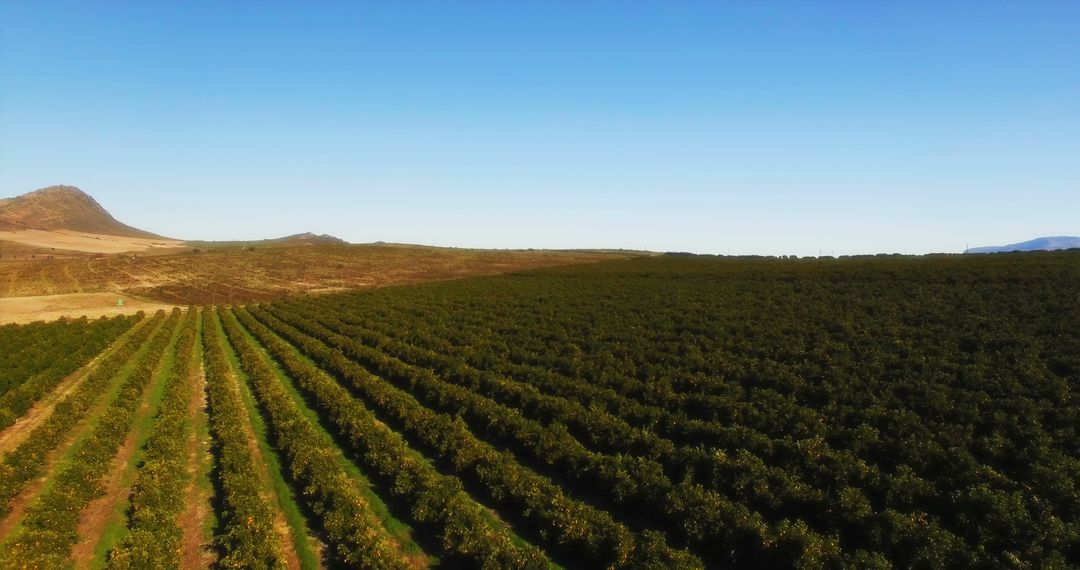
[306,238]
[1037,244]
[63,208]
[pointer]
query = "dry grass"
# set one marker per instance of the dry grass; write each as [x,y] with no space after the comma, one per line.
[72,241]
[52,307]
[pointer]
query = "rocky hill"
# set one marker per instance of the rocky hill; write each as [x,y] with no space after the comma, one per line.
[63,208]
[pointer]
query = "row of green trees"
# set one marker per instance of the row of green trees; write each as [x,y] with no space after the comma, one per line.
[48,527]
[25,462]
[157,494]
[585,532]
[634,486]
[922,410]
[437,501]
[356,535]
[34,362]
[763,487]
[246,537]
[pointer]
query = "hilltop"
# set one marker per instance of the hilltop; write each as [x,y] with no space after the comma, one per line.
[63,208]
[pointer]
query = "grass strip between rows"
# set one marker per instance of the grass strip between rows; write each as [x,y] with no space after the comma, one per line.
[399,529]
[623,479]
[437,500]
[306,545]
[607,434]
[356,535]
[578,531]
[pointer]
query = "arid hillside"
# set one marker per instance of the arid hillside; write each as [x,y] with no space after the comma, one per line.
[63,208]
[63,221]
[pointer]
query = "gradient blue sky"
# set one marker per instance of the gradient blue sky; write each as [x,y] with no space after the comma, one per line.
[717,127]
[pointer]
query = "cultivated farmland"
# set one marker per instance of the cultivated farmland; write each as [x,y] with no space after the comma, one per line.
[664,412]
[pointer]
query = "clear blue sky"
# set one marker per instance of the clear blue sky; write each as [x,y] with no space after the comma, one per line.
[742,127]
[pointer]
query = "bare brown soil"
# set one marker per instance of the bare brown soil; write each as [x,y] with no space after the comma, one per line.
[116,484]
[197,551]
[30,492]
[95,516]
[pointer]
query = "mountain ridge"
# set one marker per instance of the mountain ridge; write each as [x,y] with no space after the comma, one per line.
[301,239]
[1048,243]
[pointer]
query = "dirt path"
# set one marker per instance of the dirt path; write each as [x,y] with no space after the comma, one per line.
[117,481]
[77,287]
[95,516]
[46,283]
[40,410]
[20,502]
[96,278]
[197,550]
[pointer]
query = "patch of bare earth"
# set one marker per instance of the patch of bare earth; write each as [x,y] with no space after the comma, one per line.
[95,516]
[197,551]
